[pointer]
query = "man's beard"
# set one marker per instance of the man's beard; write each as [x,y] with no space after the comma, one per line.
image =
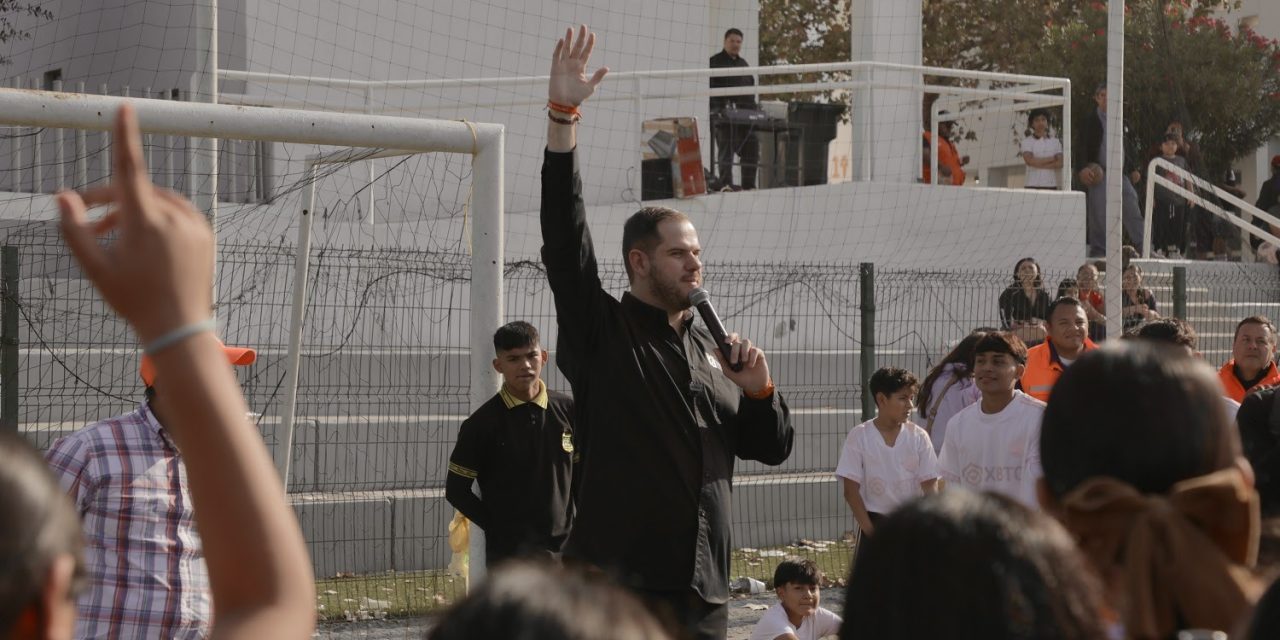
[668,293]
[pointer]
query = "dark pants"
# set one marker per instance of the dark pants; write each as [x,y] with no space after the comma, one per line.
[686,615]
[740,141]
[1169,224]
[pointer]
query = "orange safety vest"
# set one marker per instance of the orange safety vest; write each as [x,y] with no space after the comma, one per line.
[1043,369]
[947,157]
[1236,391]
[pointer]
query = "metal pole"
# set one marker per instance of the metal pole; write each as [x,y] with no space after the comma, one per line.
[486,293]
[1147,207]
[59,151]
[301,263]
[37,164]
[82,152]
[368,215]
[205,89]
[867,362]
[1066,137]
[1115,164]
[15,149]
[637,182]
[1180,292]
[9,267]
[104,146]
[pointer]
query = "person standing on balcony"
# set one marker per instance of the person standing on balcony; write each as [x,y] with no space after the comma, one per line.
[950,162]
[1090,169]
[733,138]
[1041,153]
[1252,352]
[666,412]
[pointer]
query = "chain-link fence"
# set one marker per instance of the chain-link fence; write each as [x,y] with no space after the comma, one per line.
[384,381]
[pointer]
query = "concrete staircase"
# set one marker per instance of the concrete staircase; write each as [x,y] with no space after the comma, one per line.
[1219,295]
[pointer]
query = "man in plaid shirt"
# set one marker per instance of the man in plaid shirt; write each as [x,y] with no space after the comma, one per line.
[145,564]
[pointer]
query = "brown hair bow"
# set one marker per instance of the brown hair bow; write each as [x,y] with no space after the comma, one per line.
[1179,560]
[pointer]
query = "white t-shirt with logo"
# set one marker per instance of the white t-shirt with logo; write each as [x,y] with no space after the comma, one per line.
[774,622]
[996,452]
[1041,149]
[887,476]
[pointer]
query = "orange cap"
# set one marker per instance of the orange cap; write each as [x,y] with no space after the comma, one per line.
[240,356]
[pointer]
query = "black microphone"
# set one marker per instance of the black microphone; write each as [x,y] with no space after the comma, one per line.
[702,300]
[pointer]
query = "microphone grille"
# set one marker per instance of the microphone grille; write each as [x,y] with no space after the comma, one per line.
[698,296]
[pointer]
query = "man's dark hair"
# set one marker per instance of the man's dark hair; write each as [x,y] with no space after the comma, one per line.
[1174,331]
[37,524]
[890,380]
[986,563]
[1001,342]
[541,601]
[1137,411]
[1036,113]
[641,232]
[796,570]
[1063,301]
[1261,320]
[515,335]
[733,31]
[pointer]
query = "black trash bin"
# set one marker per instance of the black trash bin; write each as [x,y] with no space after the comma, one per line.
[813,124]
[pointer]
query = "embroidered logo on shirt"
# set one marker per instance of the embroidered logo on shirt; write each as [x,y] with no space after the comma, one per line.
[711,358]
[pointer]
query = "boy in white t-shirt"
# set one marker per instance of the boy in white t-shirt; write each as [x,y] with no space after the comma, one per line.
[1042,154]
[888,460]
[994,444]
[797,615]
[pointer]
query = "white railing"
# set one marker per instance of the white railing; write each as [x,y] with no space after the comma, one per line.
[43,160]
[1022,93]
[1194,196]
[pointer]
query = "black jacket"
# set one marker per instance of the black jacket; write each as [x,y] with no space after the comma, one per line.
[723,60]
[661,423]
[1260,438]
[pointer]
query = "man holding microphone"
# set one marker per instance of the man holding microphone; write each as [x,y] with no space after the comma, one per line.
[663,412]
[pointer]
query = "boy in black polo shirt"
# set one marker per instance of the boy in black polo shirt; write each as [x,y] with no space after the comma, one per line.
[520,447]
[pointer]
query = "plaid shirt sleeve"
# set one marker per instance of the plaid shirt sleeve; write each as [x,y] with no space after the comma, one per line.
[70,461]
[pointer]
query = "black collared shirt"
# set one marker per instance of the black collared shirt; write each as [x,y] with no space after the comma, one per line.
[517,455]
[720,61]
[661,424]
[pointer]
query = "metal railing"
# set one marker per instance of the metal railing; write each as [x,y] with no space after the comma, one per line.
[1195,196]
[1023,92]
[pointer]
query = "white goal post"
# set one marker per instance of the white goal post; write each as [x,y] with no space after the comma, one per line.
[361,137]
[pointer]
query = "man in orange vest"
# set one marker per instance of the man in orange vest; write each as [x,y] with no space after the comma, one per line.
[1251,364]
[1068,339]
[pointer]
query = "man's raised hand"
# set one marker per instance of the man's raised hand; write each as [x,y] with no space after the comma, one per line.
[569,83]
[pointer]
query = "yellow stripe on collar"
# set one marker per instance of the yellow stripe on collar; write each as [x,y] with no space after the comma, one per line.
[512,402]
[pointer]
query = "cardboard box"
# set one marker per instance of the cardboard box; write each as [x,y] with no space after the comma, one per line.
[676,139]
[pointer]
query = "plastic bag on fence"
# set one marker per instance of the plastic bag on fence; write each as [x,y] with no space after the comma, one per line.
[459,542]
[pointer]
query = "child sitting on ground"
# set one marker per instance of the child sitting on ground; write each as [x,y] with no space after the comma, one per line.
[797,615]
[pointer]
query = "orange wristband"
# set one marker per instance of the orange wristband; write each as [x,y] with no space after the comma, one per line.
[761,394]
[564,108]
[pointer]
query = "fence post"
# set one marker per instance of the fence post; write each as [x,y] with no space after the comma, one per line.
[1180,292]
[9,338]
[867,364]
